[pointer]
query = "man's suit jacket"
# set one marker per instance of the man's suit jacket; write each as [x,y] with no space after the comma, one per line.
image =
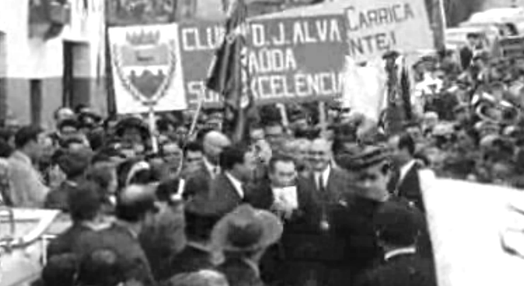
[121,240]
[28,189]
[222,197]
[239,273]
[402,270]
[190,259]
[409,187]
[58,198]
[66,242]
[336,185]
[162,238]
[355,223]
[197,182]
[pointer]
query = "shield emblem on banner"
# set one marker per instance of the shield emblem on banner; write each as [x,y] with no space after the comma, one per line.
[145,65]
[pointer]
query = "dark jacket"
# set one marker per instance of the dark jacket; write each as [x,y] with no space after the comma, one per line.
[222,197]
[125,243]
[162,239]
[354,224]
[68,240]
[58,198]
[409,188]
[336,185]
[466,56]
[191,259]
[197,182]
[276,263]
[261,196]
[240,273]
[402,270]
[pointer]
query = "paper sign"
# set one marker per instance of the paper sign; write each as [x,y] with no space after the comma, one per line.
[146,68]
[290,59]
[297,59]
[378,26]
[365,88]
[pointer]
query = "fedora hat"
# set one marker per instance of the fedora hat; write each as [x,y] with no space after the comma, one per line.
[246,229]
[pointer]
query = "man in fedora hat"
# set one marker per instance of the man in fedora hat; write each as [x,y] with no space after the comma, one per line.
[243,236]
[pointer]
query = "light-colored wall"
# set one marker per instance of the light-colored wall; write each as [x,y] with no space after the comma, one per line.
[29,58]
[488,4]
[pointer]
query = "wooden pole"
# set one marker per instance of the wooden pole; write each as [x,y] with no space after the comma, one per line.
[195,117]
[283,114]
[152,127]
[438,23]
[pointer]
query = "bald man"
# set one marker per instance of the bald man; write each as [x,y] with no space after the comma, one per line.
[198,181]
[136,206]
[328,180]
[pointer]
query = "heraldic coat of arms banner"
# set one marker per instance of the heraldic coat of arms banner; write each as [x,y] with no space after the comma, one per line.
[147,70]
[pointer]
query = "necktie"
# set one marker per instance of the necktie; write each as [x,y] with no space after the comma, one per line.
[321,185]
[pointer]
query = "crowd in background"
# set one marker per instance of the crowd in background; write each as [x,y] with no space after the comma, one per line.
[299,202]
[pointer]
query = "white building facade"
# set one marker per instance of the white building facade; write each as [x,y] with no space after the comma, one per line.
[35,77]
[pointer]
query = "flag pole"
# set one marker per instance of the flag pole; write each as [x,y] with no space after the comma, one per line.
[195,117]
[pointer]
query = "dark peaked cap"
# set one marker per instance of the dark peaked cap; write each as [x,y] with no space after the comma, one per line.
[364,158]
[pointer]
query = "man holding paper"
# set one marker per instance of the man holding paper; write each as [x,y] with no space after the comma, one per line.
[304,248]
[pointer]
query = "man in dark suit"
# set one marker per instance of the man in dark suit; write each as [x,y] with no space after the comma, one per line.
[328,180]
[397,228]
[405,182]
[227,190]
[291,198]
[283,191]
[199,180]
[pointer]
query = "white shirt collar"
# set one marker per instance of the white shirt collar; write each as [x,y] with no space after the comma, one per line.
[253,265]
[237,184]
[210,167]
[400,251]
[405,169]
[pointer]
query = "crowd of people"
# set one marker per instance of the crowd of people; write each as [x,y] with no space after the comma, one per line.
[298,202]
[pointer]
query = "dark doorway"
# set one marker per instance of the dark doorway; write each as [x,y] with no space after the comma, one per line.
[76,75]
[35,86]
[3,80]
